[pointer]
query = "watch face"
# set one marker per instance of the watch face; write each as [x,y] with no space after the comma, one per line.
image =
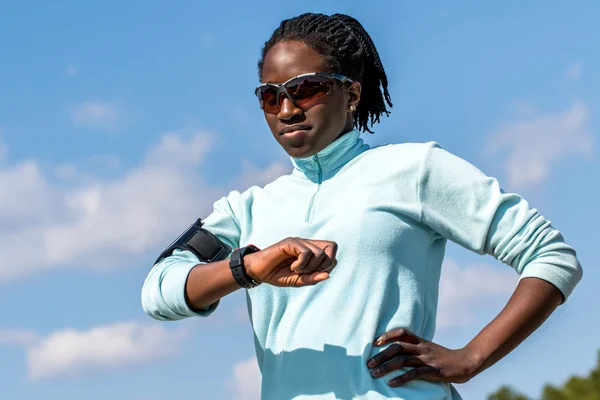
[250,249]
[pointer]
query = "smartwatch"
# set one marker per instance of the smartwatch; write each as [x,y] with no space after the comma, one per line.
[236,264]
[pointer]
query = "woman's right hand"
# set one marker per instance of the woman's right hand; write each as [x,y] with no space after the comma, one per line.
[293,262]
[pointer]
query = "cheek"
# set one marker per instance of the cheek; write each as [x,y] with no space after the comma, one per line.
[271,121]
[333,115]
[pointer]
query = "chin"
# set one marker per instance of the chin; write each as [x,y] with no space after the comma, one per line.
[305,146]
[300,149]
[301,152]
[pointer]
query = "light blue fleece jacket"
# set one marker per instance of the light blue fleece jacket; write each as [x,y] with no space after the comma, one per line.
[391,210]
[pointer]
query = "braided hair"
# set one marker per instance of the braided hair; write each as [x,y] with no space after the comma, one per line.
[347,49]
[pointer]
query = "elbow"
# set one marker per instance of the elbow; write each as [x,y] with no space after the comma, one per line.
[153,312]
[150,305]
[577,272]
[162,292]
[152,299]
[567,263]
[573,279]
[562,269]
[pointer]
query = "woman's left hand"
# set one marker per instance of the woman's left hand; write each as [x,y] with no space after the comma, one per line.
[430,361]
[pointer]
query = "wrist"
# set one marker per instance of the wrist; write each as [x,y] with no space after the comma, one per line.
[474,358]
[250,266]
[237,264]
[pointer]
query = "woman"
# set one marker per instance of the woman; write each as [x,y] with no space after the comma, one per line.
[343,295]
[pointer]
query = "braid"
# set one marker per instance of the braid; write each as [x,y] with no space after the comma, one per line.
[347,49]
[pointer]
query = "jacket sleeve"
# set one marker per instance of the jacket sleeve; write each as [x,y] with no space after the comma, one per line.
[464,205]
[163,292]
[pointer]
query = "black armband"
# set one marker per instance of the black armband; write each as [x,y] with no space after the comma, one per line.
[203,244]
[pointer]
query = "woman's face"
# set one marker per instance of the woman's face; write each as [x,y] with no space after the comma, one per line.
[320,123]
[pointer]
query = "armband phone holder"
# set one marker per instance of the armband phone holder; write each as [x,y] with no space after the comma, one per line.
[203,244]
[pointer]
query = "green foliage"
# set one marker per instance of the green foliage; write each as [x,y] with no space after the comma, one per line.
[506,393]
[576,388]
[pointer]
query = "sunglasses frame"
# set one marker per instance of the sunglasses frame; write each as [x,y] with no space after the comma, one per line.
[280,87]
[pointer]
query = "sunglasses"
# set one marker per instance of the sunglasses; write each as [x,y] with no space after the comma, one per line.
[302,90]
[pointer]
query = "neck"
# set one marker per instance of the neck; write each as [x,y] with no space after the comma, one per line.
[347,128]
[324,163]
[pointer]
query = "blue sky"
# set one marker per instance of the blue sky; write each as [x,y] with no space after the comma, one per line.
[121,123]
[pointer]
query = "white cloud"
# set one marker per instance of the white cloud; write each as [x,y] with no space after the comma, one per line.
[17,337]
[574,71]
[27,197]
[81,172]
[175,150]
[531,145]
[246,380]
[71,352]
[67,172]
[72,70]
[465,291]
[96,115]
[253,175]
[107,223]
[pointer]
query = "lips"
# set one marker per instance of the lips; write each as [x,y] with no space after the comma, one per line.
[294,128]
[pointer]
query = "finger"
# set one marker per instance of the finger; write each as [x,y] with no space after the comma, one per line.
[428,373]
[328,268]
[328,247]
[396,349]
[303,255]
[396,364]
[324,255]
[327,263]
[319,258]
[311,279]
[400,334]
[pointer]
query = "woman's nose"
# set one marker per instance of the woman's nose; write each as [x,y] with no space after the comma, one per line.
[288,109]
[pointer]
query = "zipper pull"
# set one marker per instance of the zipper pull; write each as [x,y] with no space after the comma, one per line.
[319,168]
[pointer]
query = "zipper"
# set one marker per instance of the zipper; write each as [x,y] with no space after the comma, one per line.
[311,205]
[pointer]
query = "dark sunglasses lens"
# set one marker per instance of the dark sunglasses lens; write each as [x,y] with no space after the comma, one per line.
[308,89]
[302,90]
[268,99]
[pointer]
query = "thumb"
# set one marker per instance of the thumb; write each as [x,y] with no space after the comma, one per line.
[312,279]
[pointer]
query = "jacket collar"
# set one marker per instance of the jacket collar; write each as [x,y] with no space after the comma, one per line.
[331,158]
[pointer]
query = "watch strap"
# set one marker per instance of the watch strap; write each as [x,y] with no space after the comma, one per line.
[236,264]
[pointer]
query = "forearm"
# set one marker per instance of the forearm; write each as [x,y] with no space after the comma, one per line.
[208,283]
[530,305]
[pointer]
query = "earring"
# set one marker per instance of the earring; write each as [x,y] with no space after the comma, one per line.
[352,108]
